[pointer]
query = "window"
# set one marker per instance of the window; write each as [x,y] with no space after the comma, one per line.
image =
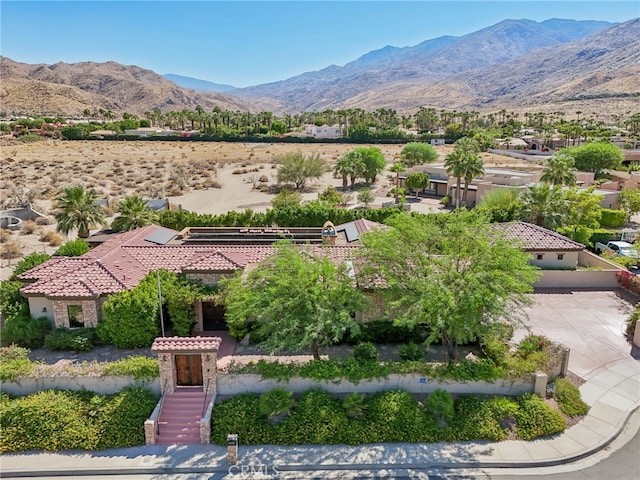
[75,316]
[560,256]
[539,256]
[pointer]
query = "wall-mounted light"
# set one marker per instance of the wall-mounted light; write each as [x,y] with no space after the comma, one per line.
[44,309]
[208,357]
[164,358]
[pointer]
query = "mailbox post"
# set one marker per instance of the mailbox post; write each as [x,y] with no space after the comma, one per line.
[232,448]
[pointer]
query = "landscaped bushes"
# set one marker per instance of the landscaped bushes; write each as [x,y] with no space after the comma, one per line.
[14,362]
[390,416]
[568,397]
[76,340]
[63,420]
[612,218]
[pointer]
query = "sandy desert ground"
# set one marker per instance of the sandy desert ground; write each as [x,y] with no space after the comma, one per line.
[204,177]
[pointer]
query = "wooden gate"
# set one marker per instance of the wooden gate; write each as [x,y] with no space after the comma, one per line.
[188,370]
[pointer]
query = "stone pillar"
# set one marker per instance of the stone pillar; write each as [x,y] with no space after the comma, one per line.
[232,448]
[167,373]
[209,368]
[540,384]
[149,432]
[564,366]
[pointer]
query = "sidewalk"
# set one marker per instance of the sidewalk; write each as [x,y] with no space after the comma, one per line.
[612,392]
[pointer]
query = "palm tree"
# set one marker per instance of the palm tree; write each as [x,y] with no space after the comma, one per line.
[397,168]
[350,165]
[78,208]
[560,170]
[544,205]
[464,162]
[134,213]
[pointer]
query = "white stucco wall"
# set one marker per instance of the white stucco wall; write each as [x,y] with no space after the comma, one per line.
[233,384]
[38,304]
[550,259]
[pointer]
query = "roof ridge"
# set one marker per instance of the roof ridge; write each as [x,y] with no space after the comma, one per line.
[551,232]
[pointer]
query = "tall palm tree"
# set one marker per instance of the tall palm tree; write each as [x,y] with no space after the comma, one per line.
[464,162]
[544,205]
[134,213]
[78,208]
[350,165]
[397,168]
[560,170]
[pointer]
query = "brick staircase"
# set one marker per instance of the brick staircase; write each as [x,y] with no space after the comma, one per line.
[179,421]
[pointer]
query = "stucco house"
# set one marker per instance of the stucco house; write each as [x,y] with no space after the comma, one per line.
[70,291]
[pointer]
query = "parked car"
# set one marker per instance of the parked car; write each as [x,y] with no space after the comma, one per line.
[624,249]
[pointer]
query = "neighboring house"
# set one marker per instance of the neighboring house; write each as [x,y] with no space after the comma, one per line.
[148,132]
[350,232]
[324,131]
[548,249]
[70,291]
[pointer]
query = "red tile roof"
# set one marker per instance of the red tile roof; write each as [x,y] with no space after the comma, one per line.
[535,238]
[166,344]
[121,262]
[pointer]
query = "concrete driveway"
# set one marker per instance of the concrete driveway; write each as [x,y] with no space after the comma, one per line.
[590,323]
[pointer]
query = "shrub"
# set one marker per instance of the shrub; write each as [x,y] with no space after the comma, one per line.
[275,402]
[365,351]
[73,248]
[26,331]
[355,405]
[395,416]
[384,331]
[77,340]
[120,419]
[537,419]
[568,397]
[474,420]
[612,218]
[30,261]
[632,322]
[411,352]
[28,227]
[14,362]
[239,414]
[48,420]
[10,249]
[531,344]
[140,368]
[440,404]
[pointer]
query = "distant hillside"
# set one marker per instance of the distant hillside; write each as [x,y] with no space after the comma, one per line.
[426,63]
[71,88]
[196,84]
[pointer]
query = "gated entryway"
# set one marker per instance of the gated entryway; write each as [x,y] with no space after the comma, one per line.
[188,370]
[213,317]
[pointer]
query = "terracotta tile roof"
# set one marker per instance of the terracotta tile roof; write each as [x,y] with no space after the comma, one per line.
[123,261]
[165,344]
[535,238]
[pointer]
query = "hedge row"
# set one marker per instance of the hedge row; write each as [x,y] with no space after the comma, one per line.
[63,420]
[391,416]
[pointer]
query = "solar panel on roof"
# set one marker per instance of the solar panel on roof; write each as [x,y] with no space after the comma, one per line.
[351,232]
[160,237]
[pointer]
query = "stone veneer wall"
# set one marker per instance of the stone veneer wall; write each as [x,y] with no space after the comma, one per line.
[90,312]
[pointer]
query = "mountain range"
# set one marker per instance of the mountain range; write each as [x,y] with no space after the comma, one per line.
[515,64]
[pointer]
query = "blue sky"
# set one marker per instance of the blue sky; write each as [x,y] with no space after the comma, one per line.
[251,42]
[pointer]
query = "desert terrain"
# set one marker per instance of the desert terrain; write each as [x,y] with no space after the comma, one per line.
[204,177]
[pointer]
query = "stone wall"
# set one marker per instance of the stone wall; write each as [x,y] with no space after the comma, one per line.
[90,312]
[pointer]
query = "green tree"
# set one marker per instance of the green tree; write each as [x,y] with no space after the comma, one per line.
[298,169]
[286,198]
[560,170]
[544,205]
[418,153]
[330,196]
[297,299]
[365,195]
[397,168]
[133,213]
[582,212]
[417,181]
[374,162]
[596,157]
[630,201]
[502,204]
[78,208]
[453,274]
[349,166]
[73,248]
